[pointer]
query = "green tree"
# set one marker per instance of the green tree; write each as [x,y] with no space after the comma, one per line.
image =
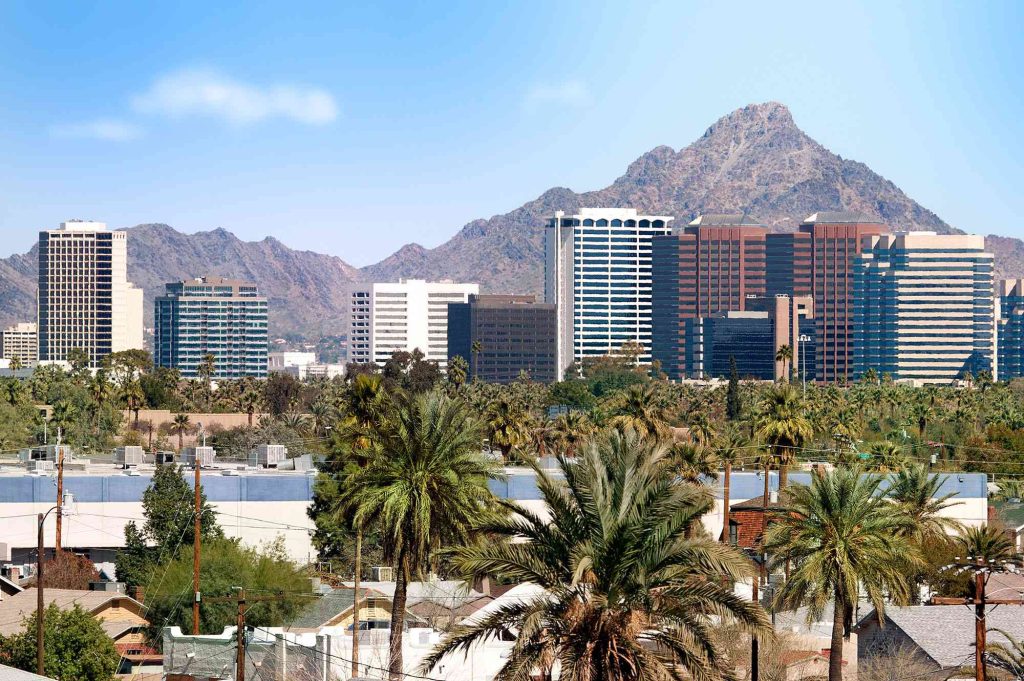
[79,360]
[75,646]
[570,430]
[639,409]
[629,592]
[508,425]
[225,564]
[180,426]
[135,561]
[733,404]
[840,532]
[785,355]
[987,543]
[919,497]
[168,505]
[429,492]
[476,349]
[572,393]
[887,457]
[783,426]
[458,369]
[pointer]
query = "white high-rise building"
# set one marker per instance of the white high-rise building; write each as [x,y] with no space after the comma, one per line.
[85,299]
[21,341]
[598,274]
[387,317]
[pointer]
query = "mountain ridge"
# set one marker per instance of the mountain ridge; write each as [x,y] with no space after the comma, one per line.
[753,160]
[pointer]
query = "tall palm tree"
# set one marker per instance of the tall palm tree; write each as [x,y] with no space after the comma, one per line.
[627,593]
[99,391]
[180,426]
[693,462]
[571,430]
[640,409]
[476,349]
[887,457]
[1008,656]
[134,398]
[429,491]
[922,412]
[507,422]
[987,543]
[839,532]
[782,424]
[701,430]
[731,446]
[918,495]
[785,355]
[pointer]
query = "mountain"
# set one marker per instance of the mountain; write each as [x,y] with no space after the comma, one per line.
[754,160]
[306,290]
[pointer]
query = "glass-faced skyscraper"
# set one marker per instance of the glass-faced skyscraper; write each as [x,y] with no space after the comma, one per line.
[924,307]
[216,316]
[598,274]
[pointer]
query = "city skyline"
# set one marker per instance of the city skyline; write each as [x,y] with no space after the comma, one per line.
[299,147]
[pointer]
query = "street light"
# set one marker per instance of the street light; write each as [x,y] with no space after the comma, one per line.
[66,508]
[804,339]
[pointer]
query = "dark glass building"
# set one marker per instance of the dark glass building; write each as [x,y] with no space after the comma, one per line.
[788,264]
[211,315]
[516,335]
[1010,327]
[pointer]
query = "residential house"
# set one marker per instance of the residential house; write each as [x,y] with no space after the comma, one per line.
[13,674]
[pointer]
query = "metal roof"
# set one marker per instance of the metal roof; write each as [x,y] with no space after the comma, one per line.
[840,217]
[724,220]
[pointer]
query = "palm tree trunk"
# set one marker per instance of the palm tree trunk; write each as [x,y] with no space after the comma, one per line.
[835,659]
[181,441]
[250,419]
[725,502]
[395,671]
[784,469]
[355,600]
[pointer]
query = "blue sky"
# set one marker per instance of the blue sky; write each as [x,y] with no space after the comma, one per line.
[355,128]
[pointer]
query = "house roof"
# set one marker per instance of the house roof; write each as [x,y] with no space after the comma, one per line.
[790,657]
[331,605]
[12,674]
[13,586]
[945,633]
[755,504]
[437,591]
[14,609]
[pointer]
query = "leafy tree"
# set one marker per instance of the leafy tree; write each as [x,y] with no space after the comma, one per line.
[282,392]
[67,570]
[572,393]
[733,404]
[168,506]
[225,564]
[622,574]
[839,532]
[429,491]
[79,360]
[74,644]
[135,561]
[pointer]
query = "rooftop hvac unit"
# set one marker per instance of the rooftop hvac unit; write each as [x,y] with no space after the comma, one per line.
[204,454]
[268,455]
[45,453]
[382,574]
[164,457]
[41,466]
[128,456]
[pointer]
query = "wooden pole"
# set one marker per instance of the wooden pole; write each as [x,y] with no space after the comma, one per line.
[196,546]
[754,663]
[726,479]
[39,598]
[240,656]
[979,622]
[60,489]
[355,601]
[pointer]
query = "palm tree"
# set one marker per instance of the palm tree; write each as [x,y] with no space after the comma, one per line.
[206,370]
[476,349]
[918,495]
[783,426]
[181,425]
[785,355]
[1008,656]
[701,430]
[134,398]
[99,391]
[430,491]
[16,363]
[640,409]
[627,593]
[1009,489]
[921,412]
[693,462]
[507,422]
[249,398]
[571,430]
[987,543]
[840,533]
[887,457]
[731,446]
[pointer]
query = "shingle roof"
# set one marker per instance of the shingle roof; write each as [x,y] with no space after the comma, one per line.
[946,632]
[12,674]
[755,504]
[14,609]
[330,605]
[840,217]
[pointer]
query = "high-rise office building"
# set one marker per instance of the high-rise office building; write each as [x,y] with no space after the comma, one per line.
[788,264]
[21,341]
[1010,329]
[214,316]
[514,335]
[412,314]
[598,274]
[711,266]
[924,307]
[835,243]
[85,300]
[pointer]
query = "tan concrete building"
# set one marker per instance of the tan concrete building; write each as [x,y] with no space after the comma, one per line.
[21,341]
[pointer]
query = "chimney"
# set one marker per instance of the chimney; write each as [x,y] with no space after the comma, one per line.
[482,585]
[14,573]
[139,594]
[773,497]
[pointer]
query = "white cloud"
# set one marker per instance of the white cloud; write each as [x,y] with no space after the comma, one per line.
[570,93]
[207,92]
[104,129]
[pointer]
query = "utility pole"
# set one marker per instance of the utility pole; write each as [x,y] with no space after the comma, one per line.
[240,661]
[40,559]
[979,621]
[196,546]
[754,647]
[60,487]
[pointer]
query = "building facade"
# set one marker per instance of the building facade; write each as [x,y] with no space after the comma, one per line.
[788,264]
[711,266]
[836,241]
[21,342]
[925,307]
[597,273]
[214,316]
[513,335]
[752,338]
[385,318]
[85,300]
[1010,330]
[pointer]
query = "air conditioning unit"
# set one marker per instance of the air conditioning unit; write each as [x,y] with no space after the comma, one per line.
[268,455]
[40,466]
[382,574]
[205,456]
[128,456]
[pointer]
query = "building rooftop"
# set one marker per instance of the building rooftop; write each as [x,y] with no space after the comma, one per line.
[840,217]
[14,609]
[725,220]
[13,674]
